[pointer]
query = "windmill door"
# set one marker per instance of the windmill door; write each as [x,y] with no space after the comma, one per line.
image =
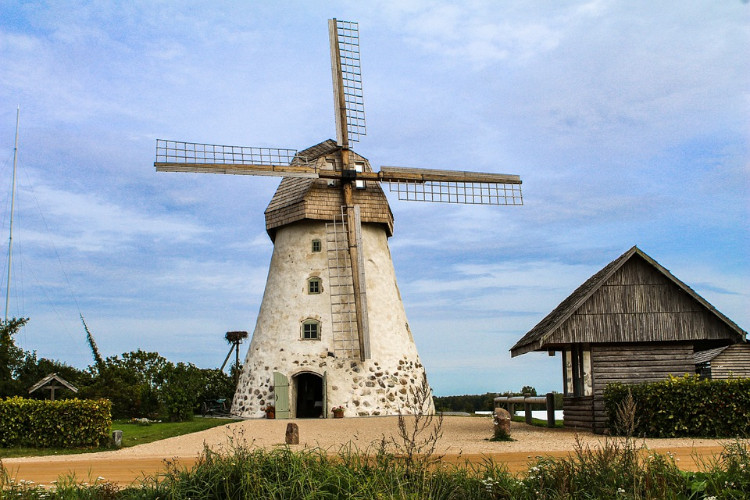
[281,394]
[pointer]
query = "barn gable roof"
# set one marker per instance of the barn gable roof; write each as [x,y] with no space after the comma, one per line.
[299,198]
[556,328]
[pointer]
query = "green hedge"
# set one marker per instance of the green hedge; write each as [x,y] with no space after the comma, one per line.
[70,423]
[685,406]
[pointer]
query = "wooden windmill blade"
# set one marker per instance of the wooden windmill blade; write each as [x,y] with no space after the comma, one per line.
[452,186]
[346,73]
[178,156]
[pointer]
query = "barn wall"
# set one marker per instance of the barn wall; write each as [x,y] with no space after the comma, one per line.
[634,364]
[734,361]
[578,412]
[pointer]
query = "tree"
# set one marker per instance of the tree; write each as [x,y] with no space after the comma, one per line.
[132,382]
[528,390]
[181,390]
[11,357]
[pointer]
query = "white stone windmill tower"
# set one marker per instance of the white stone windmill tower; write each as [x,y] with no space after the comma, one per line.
[332,330]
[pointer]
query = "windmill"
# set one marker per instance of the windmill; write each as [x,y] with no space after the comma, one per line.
[330,203]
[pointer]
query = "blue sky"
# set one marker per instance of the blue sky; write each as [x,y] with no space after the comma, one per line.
[628,122]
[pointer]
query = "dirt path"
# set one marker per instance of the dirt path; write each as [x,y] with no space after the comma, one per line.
[464,438]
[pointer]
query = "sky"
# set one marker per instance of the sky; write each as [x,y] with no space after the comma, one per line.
[628,121]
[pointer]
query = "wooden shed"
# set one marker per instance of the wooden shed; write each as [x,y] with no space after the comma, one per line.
[631,322]
[724,362]
[52,383]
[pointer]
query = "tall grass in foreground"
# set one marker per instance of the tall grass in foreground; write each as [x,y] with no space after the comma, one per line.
[620,469]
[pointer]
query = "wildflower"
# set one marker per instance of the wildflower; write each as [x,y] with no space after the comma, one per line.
[620,491]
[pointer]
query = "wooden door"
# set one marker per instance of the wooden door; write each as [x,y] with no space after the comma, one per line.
[281,395]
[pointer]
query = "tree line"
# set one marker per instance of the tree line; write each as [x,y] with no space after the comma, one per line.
[138,383]
[471,403]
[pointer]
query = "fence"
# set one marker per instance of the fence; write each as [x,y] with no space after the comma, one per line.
[510,403]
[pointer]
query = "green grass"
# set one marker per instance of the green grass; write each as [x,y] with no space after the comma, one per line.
[132,434]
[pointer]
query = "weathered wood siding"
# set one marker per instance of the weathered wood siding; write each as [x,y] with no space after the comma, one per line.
[634,364]
[734,361]
[639,304]
[578,412]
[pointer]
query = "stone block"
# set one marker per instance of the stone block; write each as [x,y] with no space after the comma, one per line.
[501,420]
[117,439]
[292,434]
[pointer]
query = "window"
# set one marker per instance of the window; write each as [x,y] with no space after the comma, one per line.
[316,246]
[314,286]
[311,329]
[578,371]
[359,167]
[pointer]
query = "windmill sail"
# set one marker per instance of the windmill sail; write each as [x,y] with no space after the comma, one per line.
[178,156]
[447,186]
[349,104]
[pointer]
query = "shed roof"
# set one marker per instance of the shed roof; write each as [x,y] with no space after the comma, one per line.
[710,354]
[299,198]
[52,377]
[557,323]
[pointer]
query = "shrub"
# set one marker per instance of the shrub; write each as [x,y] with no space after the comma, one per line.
[684,406]
[70,423]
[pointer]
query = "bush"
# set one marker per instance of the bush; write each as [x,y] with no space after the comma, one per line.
[684,406]
[70,423]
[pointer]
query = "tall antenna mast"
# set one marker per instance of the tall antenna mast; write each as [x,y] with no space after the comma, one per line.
[12,204]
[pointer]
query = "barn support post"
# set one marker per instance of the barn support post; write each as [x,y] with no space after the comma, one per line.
[550,409]
[527,408]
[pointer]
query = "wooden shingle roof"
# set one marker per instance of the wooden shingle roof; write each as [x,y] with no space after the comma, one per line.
[316,199]
[708,355]
[611,307]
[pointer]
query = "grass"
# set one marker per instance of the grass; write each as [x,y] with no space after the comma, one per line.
[132,434]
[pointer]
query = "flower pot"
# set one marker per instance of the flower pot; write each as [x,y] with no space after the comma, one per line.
[338,414]
[270,414]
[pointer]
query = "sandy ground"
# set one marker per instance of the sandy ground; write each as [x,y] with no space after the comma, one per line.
[464,438]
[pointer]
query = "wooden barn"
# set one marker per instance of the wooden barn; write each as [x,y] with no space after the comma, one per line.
[724,362]
[631,322]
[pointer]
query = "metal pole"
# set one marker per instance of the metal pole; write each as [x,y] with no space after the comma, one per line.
[12,205]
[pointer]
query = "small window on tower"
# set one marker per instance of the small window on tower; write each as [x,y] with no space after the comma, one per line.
[316,245]
[311,329]
[313,285]
[359,167]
